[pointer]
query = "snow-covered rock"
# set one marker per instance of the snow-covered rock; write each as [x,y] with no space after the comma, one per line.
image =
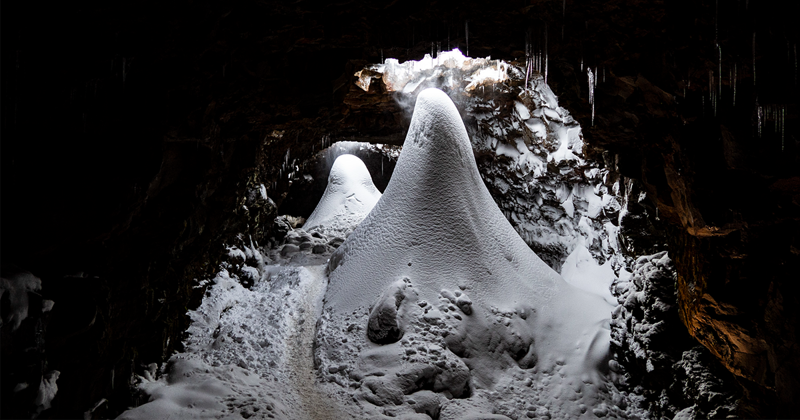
[17,286]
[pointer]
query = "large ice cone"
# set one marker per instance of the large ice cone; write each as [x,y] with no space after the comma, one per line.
[348,198]
[438,225]
[434,290]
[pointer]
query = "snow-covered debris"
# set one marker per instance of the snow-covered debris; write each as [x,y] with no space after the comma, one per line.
[648,343]
[248,354]
[448,70]
[17,285]
[702,387]
[348,198]
[643,304]
[456,301]
[47,391]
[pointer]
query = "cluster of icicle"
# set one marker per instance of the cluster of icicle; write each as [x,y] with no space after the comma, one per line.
[774,112]
[536,59]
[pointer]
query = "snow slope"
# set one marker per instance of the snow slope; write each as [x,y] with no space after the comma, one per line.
[451,299]
[348,198]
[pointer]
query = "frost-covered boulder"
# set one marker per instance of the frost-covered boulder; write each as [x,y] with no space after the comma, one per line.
[436,285]
[347,200]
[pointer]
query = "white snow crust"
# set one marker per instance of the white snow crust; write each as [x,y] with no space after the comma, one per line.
[348,198]
[466,288]
[437,220]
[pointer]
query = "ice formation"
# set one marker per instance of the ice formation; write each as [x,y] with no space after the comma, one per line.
[408,341]
[348,198]
[437,269]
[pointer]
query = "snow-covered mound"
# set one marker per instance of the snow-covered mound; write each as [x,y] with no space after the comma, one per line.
[438,220]
[435,291]
[347,200]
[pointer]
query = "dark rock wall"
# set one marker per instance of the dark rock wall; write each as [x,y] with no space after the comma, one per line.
[135,136]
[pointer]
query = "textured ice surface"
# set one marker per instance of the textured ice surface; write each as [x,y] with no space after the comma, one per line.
[435,291]
[438,225]
[348,198]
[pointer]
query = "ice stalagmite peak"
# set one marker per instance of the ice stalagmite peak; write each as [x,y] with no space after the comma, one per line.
[436,217]
[436,269]
[348,198]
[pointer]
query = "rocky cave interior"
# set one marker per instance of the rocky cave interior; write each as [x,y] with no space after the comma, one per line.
[138,137]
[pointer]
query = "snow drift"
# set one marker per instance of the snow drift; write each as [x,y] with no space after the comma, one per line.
[347,200]
[435,291]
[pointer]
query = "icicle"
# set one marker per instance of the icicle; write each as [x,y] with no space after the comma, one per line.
[382,62]
[754,58]
[596,79]
[581,63]
[775,116]
[759,113]
[734,84]
[716,21]
[564,8]
[527,73]
[711,91]
[604,74]
[715,103]
[720,71]
[783,124]
[591,91]
[466,34]
[539,62]
[545,54]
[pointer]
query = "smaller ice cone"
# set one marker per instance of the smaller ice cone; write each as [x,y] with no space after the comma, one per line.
[347,200]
